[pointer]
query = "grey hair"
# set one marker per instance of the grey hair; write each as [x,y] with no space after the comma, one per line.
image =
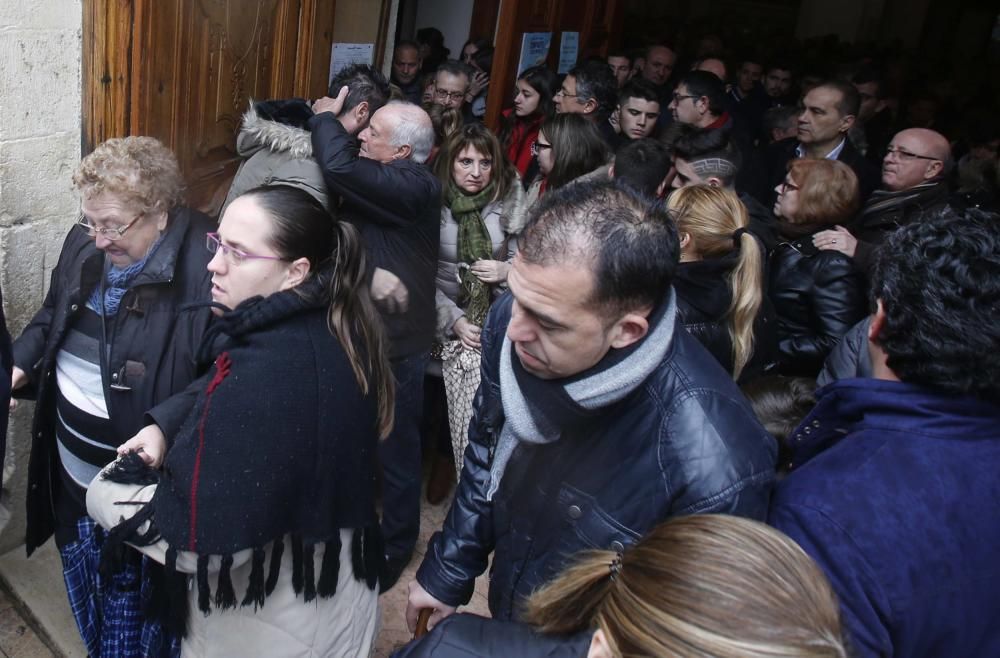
[412,128]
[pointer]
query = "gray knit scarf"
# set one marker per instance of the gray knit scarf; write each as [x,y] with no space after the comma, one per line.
[619,373]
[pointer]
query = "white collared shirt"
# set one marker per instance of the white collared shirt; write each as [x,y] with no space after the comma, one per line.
[832,155]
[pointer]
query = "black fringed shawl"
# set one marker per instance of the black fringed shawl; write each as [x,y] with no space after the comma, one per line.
[280,442]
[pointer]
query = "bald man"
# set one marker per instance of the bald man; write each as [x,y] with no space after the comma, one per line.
[713,65]
[914,182]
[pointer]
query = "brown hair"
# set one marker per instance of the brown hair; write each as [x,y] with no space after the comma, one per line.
[140,170]
[828,191]
[577,148]
[711,216]
[483,140]
[709,585]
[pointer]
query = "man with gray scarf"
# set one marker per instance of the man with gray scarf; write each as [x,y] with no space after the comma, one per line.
[598,416]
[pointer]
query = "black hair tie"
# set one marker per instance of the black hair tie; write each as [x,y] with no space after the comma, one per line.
[738,236]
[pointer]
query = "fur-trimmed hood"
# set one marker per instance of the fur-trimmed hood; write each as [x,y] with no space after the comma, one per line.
[278,126]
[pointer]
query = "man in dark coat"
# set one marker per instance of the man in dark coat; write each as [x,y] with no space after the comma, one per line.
[597,416]
[914,185]
[893,489]
[406,64]
[828,112]
[395,201]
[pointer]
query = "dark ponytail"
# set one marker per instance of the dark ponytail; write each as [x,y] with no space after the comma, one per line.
[303,228]
[353,315]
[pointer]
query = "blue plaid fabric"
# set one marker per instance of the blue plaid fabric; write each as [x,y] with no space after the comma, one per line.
[109,615]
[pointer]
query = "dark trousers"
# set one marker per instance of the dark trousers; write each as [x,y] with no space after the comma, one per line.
[400,456]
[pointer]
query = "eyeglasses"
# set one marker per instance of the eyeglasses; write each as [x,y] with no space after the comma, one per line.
[449,95]
[112,234]
[537,147]
[678,97]
[562,92]
[233,255]
[786,187]
[906,155]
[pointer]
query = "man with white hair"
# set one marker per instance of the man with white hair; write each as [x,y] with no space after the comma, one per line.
[395,201]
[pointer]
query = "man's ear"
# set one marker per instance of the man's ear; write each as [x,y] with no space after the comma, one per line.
[846,123]
[877,322]
[361,112]
[630,328]
[590,106]
[402,152]
[714,181]
[933,170]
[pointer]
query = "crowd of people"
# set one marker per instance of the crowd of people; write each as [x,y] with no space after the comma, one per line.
[710,362]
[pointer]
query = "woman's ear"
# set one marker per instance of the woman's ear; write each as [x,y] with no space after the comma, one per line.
[599,646]
[298,271]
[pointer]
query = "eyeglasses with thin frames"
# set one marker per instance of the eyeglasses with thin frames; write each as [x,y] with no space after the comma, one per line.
[449,95]
[537,146]
[906,155]
[108,233]
[562,92]
[214,244]
[679,97]
[788,187]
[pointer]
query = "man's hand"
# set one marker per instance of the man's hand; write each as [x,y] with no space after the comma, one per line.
[418,600]
[388,291]
[149,443]
[18,378]
[836,239]
[334,105]
[467,332]
[490,271]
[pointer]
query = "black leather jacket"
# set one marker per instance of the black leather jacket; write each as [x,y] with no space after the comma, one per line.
[703,300]
[684,442]
[153,342]
[818,296]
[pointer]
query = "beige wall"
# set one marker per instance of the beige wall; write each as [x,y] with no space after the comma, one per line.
[39,148]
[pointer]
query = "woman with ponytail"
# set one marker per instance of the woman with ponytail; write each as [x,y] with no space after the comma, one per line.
[706,586]
[720,280]
[264,510]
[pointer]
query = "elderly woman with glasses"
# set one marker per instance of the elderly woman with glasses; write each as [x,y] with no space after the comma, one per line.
[115,338]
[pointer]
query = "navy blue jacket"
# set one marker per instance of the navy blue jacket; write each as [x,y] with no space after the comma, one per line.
[684,442]
[471,636]
[895,493]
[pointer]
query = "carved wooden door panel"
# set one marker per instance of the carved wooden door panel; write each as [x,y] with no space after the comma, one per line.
[183,71]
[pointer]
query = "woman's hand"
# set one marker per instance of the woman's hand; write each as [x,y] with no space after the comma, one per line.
[836,239]
[18,378]
[490,271]
[149,443]
[480,80]
[467,332]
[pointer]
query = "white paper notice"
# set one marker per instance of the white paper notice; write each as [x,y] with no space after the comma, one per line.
[344,54]
[569,48]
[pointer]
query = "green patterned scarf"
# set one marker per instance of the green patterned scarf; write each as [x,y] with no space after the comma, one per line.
[474,244]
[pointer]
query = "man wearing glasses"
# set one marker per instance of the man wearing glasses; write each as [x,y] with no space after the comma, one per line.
[451,83]
[914,184]
[590,89]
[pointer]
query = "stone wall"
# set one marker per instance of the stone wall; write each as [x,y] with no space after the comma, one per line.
[40,112]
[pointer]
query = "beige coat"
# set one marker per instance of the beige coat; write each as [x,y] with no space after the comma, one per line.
[286,626]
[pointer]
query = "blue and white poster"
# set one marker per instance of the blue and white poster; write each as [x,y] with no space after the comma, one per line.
[534,49]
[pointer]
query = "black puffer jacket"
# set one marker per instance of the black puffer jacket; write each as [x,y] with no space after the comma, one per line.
[469,636]
[154,340]
[703,300]
[818,296]
[684,442]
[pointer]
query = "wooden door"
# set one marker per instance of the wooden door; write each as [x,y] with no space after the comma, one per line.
[183,71]
[599,23]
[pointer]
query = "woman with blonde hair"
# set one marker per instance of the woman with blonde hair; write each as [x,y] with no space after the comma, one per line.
[818,295]
[708,585]
[720,280]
